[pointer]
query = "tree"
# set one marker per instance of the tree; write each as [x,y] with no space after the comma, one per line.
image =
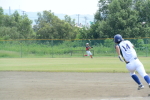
[16,27]
[120,18]
[103,30]
[9,21]
[103,11]
[7,33]
[25,27]
[144,16]
[1,16]
[69,20]
[49,26]
[123,17]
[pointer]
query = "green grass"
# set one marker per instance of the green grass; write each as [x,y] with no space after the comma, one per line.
[86,64]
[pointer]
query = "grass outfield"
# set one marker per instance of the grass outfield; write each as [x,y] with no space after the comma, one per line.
[100,64]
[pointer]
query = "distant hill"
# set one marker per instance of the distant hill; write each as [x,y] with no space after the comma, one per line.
[33,15]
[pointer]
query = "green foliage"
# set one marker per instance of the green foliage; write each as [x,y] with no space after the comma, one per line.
[83,33]
[122,17]
[16,27]
[25,28]
[1,15]
[49,26]
[113,17]
[140,43]
[9,54]
[7,33]
[108,43]
[69,20]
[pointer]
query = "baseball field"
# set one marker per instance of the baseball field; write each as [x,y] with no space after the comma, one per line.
[101,78]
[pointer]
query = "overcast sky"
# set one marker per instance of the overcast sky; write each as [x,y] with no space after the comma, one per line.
[57,6]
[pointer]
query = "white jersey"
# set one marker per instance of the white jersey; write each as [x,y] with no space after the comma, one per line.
[127,50]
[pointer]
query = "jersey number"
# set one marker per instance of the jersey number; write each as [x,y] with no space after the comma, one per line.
[126,47]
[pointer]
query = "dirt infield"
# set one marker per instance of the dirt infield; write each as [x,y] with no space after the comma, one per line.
[70,86]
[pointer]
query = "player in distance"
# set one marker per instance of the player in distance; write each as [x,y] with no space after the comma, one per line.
[127,54]
[88,52]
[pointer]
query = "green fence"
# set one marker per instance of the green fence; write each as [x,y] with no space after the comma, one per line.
[66,48]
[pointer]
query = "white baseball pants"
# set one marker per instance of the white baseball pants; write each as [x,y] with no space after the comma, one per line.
[88,53]
[136,65]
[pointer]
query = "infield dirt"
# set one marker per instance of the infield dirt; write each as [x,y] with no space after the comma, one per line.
[70,86]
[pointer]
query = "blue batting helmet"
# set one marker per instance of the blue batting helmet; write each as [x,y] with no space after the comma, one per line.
[118,38]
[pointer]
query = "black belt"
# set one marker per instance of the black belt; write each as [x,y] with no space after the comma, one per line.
[134,59]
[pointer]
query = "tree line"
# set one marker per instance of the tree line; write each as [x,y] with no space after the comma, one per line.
[130,18]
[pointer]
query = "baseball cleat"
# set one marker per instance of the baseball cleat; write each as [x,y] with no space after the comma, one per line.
[140,87]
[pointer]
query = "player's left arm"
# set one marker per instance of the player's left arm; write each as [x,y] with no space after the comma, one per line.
[90,47]
[131,44]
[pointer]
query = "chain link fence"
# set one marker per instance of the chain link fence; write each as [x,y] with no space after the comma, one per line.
[66,48]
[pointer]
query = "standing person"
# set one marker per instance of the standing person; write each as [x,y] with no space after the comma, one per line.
[127,54]
[88,50]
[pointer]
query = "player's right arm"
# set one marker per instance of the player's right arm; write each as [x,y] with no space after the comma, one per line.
[118,52]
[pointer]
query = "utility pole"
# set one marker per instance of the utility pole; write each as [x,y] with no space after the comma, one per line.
[78,19]
[85,20]
[23,12]
[9,11]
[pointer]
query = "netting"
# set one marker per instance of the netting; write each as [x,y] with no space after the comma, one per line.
[66,48]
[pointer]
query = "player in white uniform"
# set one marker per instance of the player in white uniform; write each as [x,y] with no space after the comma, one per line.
[127,54]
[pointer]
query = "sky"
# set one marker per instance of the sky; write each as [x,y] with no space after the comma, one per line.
[68,7]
